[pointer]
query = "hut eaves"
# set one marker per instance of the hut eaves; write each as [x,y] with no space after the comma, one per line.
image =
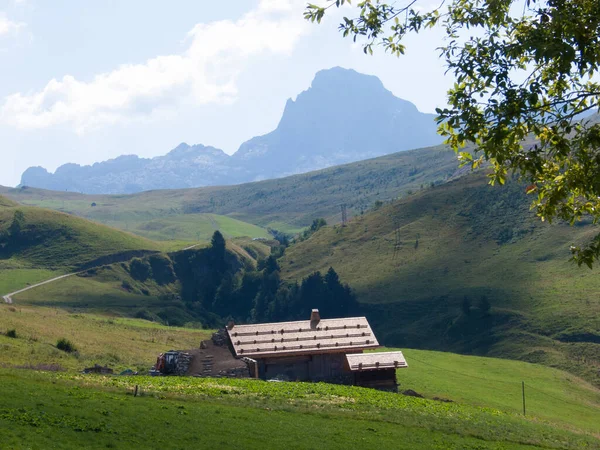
[376,361]
[302,337]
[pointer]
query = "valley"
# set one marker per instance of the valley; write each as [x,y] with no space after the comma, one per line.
[220,226]
[434,257]
[286,204]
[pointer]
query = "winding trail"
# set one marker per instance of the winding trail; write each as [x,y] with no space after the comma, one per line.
[8,297]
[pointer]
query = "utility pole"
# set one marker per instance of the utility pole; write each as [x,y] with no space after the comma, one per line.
[344,214]
[523,389]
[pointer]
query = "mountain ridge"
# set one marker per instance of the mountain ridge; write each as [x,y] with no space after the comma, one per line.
[343,117]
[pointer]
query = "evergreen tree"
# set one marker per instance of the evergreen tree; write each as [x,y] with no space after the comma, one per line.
[466,306]
[223,303]
[484,305]
[17,226]
[271,265]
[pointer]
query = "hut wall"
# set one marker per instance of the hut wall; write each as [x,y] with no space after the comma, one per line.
[324,367]
[384,379]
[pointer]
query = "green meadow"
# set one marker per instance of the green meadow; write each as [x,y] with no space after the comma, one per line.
[43,410]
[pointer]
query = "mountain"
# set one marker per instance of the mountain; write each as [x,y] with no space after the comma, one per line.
[286,204]
[184,166]
[343,117]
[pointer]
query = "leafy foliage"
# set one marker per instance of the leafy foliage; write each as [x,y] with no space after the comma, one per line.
[11,333]
[522,82]
[162,268]
[140,269]
[65,345]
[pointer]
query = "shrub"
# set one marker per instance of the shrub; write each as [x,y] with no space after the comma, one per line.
[65,345]
[162,269]
[140,269]
[11,333]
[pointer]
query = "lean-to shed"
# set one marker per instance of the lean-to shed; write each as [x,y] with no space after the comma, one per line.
[316,350]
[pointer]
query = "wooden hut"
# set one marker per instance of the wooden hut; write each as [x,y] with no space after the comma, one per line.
[316,350]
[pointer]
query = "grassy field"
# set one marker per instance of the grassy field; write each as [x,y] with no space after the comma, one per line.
[64,411]
[53,243]
[118,342]
[13,279]
[551,395]
[196,227]
[112,290]
[413,262]
[51,239]
[287,204]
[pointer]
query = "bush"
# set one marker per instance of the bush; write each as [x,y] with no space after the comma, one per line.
[11,333]
[65,345]
[162,269]
[140,269]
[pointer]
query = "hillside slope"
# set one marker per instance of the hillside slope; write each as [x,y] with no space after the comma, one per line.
[37,244]
[286,204]
[425,268]
[52,239]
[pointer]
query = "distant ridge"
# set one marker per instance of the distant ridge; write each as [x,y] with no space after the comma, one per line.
[343,117]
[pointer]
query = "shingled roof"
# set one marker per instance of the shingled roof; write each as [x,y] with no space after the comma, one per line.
[376,361]
[302,337]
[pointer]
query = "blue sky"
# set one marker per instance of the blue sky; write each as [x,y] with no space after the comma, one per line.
[85,81]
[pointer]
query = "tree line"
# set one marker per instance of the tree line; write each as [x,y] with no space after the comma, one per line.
[217,286]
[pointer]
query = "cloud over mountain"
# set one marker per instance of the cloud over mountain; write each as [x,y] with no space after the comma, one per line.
[204,73]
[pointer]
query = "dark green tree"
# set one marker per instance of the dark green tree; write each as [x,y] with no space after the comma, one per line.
[484,305]
[218,244]
[17,225]
[466,306]
[525,73]
[162,269]
[223,302]
[317,224]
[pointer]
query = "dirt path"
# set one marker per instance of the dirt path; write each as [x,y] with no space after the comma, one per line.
[8,297]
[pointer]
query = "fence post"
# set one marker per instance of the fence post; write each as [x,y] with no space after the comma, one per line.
[523,389]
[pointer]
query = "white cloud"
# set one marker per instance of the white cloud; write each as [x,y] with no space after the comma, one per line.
[206,73]
[7,27]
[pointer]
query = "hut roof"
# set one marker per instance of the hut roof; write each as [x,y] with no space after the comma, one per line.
[302,337]
[376,361]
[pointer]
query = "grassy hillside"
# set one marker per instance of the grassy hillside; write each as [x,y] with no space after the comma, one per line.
[101,412]
[48,243]
[114,290]
[6,202]
[286,204]
[414,262]
[114,341]
[50,239]
[551,395]
[194,227]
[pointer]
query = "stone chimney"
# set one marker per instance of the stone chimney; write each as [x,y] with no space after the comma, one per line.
[315,318]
